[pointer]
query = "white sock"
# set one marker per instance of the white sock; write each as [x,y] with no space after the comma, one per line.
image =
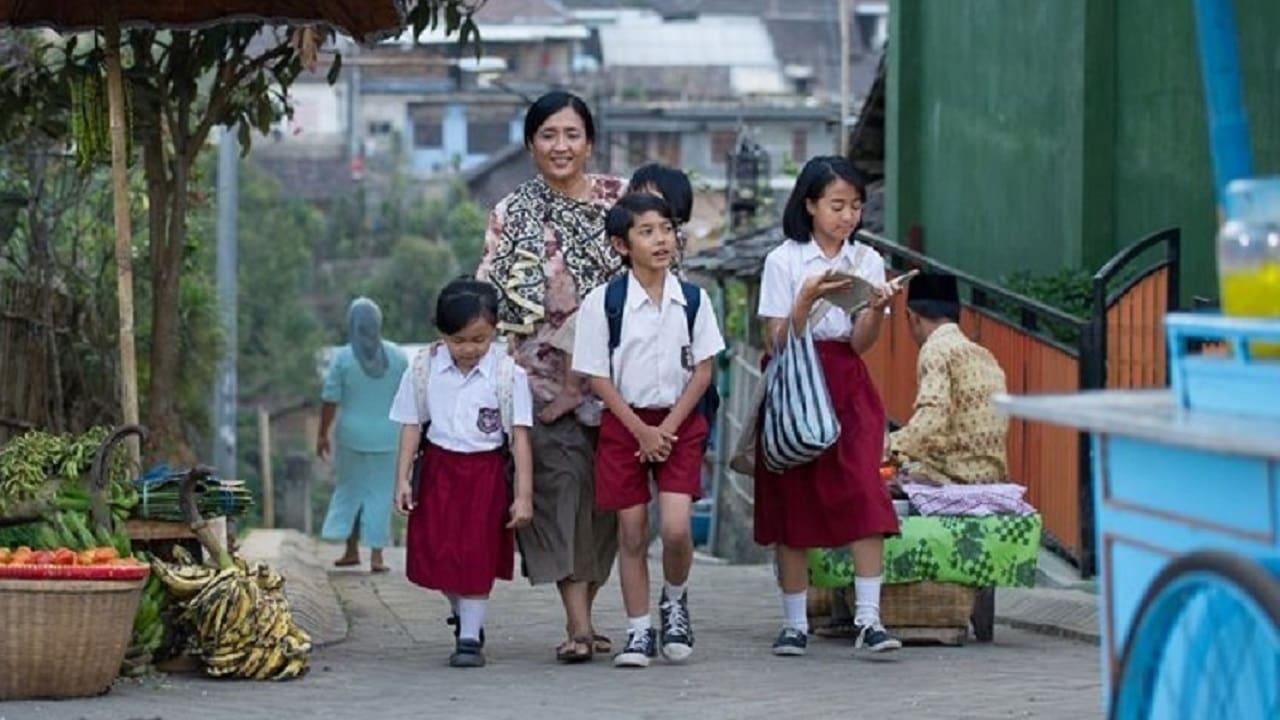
[675,592]
[795,611]
[471,617]
[639,624]
[866,600]
[453,603]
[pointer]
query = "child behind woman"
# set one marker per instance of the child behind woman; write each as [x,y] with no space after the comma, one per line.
[475,405]
[673,186]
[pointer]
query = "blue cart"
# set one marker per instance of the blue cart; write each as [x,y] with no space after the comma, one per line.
[1186,491]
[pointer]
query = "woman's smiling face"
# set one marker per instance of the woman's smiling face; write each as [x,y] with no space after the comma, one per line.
[560,147]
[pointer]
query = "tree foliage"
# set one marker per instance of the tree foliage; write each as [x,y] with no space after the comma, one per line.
[184,83]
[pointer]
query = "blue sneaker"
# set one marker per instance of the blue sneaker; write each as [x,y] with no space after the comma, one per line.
[875,638]
[791,642]
[677,628]
[641,648]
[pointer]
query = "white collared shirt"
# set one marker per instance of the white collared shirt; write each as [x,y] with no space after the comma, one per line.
[463,409]
[655,356]
[791,263]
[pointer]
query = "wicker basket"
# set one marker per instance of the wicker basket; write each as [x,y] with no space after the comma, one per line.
[63,638]
[919,604]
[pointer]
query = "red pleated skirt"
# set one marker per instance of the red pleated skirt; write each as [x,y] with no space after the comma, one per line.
[839,497]
[457,538]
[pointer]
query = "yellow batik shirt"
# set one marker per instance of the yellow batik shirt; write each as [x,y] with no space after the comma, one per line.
[955,433]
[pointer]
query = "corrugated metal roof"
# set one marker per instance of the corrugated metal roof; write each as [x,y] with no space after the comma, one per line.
[716,40]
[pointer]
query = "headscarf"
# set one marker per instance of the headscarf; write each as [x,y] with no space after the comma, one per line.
[364,332]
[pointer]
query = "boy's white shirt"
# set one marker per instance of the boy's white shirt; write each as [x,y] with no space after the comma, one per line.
[434,388]
[647,366]
[786,268]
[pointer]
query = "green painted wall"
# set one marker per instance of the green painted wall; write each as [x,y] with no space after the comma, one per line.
[1042,134]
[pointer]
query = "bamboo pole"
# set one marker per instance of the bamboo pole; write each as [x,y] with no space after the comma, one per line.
[124,231]
[264,465]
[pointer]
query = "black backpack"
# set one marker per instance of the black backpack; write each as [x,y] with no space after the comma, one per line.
[615,302]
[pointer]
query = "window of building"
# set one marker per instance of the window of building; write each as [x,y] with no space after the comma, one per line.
[637,148]
[379,127]
[667,148]
[799,146]
[722,143]
[487,137]
[428,126]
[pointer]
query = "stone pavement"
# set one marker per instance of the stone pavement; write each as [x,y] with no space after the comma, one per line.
[392,665]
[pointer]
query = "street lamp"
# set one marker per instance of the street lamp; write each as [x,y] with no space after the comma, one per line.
[747,181]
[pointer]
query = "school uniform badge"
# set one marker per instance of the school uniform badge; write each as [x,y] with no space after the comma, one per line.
[489,420]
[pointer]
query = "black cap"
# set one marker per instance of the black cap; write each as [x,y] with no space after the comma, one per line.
[933,286]
[934,295]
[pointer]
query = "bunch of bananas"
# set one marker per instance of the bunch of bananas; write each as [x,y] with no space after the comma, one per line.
[149,630]
[90,118]
[71,530]
[240,620]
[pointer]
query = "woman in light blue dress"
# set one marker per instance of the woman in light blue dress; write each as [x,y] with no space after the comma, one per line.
[362,380]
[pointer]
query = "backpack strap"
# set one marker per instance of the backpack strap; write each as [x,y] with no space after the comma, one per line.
[615,301]
[506,393]
[692,301]
[421,376]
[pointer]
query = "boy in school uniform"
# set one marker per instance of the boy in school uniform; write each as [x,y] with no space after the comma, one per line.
[652,377]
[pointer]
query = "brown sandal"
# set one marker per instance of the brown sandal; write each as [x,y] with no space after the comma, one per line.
[573,651]
[601,644]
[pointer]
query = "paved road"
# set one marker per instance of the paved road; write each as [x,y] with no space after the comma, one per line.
[393,666]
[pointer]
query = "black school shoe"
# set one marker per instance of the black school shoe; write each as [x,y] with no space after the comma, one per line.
[641,648]
[468,653]
[791,642]
[677,628]
[876,639]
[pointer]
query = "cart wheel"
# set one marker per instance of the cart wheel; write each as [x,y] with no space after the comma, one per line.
[1205,643]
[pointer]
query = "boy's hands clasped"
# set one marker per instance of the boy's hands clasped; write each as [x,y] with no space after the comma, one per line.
[655,443]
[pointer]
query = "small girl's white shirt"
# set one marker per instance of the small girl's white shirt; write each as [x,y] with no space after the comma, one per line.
[791,263]
[463,408]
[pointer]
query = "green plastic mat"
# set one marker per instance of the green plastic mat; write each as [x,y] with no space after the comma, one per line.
[1000,550]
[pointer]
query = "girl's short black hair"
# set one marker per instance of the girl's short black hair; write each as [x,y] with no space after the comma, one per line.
[464,300]
[552,103]
[672,184]
[815,178]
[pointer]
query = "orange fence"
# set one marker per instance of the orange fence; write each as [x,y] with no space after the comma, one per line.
[1135,333]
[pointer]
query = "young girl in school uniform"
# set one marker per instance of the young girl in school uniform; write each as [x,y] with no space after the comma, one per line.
[837,499]
[460,525]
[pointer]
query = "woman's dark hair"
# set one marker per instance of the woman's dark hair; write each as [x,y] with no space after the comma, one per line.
[552,103]
[464,300]
[672,184]
[622,216]
[818,174]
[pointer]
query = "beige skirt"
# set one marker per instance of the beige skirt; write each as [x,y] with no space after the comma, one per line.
[568,538]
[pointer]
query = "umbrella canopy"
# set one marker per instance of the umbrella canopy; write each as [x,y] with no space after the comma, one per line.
[364,20]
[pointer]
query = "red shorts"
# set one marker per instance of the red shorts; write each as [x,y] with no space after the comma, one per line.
[622,481]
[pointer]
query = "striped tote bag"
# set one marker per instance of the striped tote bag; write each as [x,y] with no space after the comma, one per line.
[799,420]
